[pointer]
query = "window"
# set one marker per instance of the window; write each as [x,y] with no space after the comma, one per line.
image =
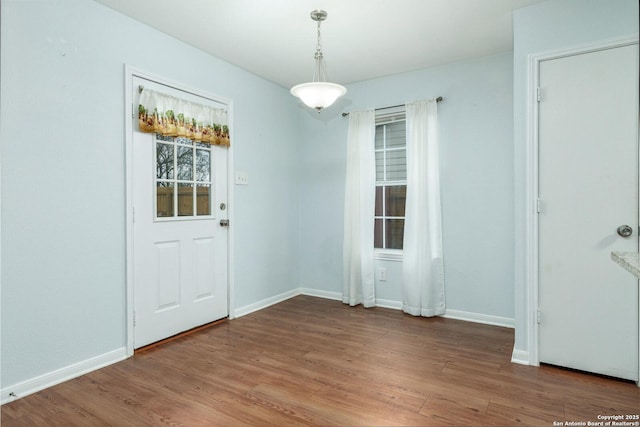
[391,180]
[182,166]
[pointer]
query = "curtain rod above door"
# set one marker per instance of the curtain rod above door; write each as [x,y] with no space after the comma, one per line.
[438,99]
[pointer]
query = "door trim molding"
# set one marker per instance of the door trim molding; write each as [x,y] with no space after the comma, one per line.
[531,191]
[129,73]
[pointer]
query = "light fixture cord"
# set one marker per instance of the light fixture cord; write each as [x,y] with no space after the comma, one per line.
[319,73]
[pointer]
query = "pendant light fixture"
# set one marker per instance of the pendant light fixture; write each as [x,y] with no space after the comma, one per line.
[319,93]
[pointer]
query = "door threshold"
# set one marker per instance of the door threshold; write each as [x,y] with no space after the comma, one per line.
[179,335]
[594,374]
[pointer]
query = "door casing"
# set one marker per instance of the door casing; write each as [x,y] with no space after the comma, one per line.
[531,191]
[130,72]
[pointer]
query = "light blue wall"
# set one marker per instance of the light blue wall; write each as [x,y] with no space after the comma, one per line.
[477,195]
[63,206]
[552,25]
[63,177]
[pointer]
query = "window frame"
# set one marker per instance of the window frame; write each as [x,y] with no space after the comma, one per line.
[389,116]
[175,143]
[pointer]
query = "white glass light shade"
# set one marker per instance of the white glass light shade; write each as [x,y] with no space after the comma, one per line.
[318,95]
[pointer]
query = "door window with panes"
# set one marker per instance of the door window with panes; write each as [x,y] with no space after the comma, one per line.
[183,178]
[391,181]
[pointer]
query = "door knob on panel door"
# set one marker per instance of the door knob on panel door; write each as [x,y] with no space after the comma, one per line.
[625,231]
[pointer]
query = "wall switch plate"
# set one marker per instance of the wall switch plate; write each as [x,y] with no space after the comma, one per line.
[242,178]
[382,274]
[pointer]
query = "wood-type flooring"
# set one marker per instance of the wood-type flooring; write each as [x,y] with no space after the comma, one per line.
[311,361]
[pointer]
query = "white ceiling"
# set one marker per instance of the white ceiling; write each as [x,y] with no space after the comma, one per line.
[361,39]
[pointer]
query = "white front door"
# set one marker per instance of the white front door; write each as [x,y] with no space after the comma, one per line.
[588,187]
[179,246]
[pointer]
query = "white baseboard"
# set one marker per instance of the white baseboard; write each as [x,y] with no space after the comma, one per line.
[520,357]
[16,391]
[487,319]
[386,303]
[397,305]
[337,296]
[321,294]
[259,305]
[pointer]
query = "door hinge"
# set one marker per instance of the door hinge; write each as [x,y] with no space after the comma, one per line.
[134,214]
[538,205]
[538,316]
[134,318]
[538,94]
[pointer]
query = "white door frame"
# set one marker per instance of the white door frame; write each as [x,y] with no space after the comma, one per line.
[531,192]
[130,72]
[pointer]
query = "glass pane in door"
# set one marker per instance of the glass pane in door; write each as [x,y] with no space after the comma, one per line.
[185,163]
[164,199]
[203,199]
[185,199]
[164,161]
[203,165]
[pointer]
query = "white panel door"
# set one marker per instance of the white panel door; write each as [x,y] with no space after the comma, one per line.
[180,252]
[588,186]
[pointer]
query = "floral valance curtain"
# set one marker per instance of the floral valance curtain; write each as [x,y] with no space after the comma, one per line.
[171,116]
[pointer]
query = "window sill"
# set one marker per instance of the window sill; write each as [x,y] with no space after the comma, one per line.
[388,255]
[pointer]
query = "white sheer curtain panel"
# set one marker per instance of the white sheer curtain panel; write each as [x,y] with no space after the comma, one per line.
[423,267]
[359,207]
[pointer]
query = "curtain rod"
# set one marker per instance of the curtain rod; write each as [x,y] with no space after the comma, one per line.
[438,99]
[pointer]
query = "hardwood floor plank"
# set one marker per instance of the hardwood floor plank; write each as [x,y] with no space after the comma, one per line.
[310,361]
[456,409]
